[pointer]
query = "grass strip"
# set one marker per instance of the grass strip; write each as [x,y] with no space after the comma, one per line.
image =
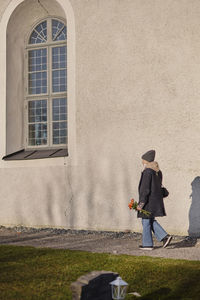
[42,273]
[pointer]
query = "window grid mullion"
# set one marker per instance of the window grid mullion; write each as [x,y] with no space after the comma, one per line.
[48,144]
[50,122]
[49,40]
[58,43]
[50,96]
[49,79]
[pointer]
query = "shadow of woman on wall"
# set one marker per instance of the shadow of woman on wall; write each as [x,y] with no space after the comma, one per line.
[194,212]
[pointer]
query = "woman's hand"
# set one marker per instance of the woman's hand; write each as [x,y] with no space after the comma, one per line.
[139,208]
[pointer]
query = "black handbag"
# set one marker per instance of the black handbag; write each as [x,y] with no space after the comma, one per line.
[165,192]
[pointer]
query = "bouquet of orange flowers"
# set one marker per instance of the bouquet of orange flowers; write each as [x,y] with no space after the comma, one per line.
[133,205]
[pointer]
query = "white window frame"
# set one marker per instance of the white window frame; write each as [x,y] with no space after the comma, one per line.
[49,45]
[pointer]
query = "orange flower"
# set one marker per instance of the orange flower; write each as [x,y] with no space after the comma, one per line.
[133,205]
[130,205]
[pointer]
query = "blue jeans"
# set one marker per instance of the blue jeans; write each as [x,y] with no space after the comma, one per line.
[150,225]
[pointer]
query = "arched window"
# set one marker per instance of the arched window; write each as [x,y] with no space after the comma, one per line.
[46,85]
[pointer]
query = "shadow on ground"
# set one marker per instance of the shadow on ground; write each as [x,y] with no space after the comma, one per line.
[158,294]
[186,242]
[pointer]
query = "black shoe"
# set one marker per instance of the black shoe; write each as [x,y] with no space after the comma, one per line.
[146,248]
[166,241]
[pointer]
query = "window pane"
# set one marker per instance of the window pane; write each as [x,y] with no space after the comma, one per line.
[59,57]
[63,140]
[39,34]
[59,81]
[59,116]
[59,32]
[37,64]
[59,76]
[37,60]
[37,119]
[59,109]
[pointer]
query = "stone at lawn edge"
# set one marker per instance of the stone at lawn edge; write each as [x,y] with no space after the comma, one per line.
[94,285]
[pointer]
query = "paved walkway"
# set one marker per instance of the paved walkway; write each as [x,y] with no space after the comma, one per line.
[115,243]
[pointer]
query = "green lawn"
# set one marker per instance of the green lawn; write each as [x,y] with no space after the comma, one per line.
[30,273]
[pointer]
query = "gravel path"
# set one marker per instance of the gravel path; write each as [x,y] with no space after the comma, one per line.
[107,242]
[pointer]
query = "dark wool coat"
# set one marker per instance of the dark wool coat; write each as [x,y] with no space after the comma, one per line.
[150,193]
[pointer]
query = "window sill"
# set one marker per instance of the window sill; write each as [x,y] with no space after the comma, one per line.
[36,154]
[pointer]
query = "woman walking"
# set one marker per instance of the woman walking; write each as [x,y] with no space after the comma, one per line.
[151,199]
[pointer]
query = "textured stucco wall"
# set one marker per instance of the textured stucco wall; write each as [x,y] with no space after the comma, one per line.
[33,196]
[137,88]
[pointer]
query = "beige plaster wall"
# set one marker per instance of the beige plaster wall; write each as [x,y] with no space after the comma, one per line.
[33,196]
[3,6]
[137,88]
